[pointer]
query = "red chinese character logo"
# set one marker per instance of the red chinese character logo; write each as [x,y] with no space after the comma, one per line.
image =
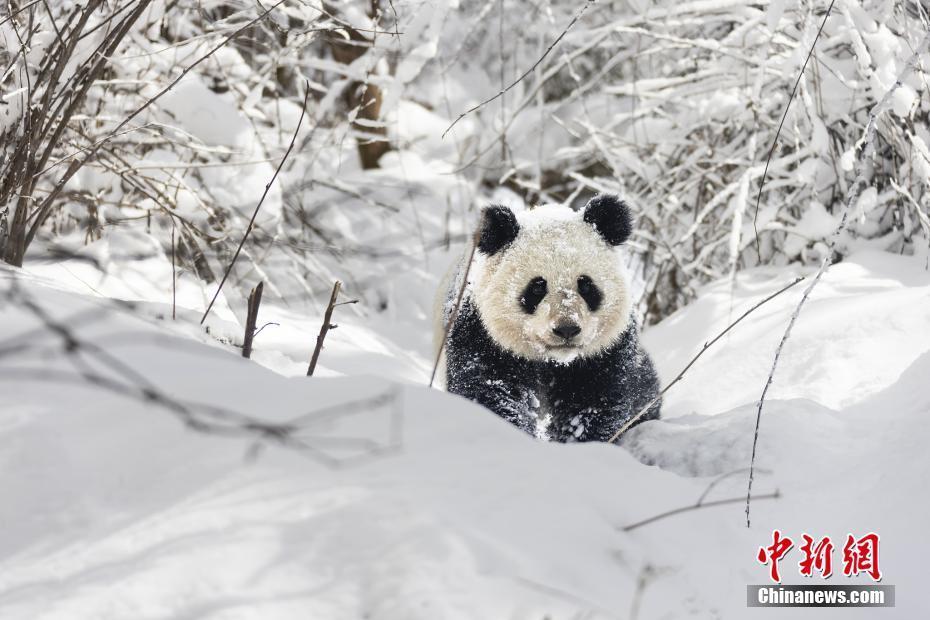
[861,556]
[819,557]
[774,552]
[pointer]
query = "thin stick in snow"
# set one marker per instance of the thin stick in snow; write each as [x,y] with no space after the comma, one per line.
[248,230]
[721,478]
[324,328]
[852,196]
[694,359]
[255,300]
[174,277]
[455,310]
[698,506]
[526,73]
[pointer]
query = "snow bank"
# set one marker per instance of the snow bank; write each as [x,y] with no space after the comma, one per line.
[402,503]
[866,322]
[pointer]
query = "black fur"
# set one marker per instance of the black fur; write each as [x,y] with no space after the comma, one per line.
[499,228]
[589,398]
[592,397]
[610,217]
[534,293]
[590,293]
[478,369]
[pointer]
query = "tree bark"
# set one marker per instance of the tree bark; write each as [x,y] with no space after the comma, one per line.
[372,140]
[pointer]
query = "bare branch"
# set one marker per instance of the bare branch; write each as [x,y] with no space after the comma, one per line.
[525,73]
[852,195]
[44,208]
[706,346]
[698,506]
[248,230]
[768,159]
[324,328]
[455,310]
[255,300]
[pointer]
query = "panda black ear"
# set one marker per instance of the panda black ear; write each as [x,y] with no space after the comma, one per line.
[498,229]
[610,217]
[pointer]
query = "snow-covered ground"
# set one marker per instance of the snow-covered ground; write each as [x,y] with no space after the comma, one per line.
[148,472]
[136,483]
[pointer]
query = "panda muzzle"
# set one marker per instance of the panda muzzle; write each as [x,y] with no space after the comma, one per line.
[566,330]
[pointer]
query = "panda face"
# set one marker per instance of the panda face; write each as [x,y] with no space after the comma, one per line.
[554,288]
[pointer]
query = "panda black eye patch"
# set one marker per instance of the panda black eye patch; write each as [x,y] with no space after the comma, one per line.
[590,293]
[533,294]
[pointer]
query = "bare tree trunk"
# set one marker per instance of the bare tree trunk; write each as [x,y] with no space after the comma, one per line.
[368,98]
[364,96]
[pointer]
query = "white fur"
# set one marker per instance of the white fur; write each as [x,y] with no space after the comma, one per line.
[554,243]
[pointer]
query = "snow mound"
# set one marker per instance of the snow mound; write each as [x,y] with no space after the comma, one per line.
[155,476]
[865,323]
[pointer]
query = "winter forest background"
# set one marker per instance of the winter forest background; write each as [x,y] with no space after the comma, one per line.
[149,147]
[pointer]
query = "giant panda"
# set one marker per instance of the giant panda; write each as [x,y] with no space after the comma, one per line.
[544,335]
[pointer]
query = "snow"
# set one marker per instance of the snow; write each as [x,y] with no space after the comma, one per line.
[216,121]
[857,337]
[815,223]
[411,503]
[423,505]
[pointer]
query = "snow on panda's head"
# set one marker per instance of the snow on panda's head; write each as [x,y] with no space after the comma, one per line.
[551,284]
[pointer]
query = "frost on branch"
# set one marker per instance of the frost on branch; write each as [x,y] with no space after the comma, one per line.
[674,105]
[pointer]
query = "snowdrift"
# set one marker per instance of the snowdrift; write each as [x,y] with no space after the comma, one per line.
[149,472]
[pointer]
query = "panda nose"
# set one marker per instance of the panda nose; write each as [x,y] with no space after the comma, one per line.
[566,330]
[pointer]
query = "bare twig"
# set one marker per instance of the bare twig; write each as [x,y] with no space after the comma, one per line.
[324,328]
[852,196]
[645,575]
[16,12]
[248,230]
[706,346]
[768,159]
[721,478]
[43,210]
[43,122]
[255,300]
[698,506]
[262,328]
[526,73]
[174,277]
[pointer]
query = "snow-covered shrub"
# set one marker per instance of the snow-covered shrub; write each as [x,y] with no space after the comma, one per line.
[675,105]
